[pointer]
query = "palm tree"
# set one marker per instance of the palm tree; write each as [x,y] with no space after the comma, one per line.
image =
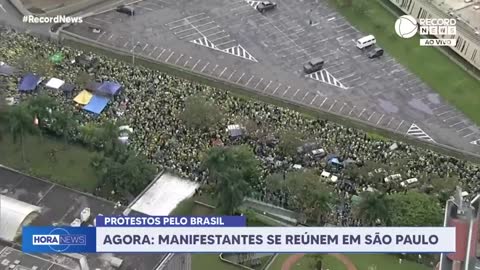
[373,209]
[21,124]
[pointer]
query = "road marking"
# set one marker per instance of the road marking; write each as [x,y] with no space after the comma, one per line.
[1,7]
[110,37]
[469,134]
[161,53]
[323,102]
[476,142]
[399,125]
[381,117]
[344,104]
[456,124]
[370,116]
[362,112]
[325,77]
[313,100]
[166,60]
[178,59]
[418,133]
[146,46]
[286,91]
[462,129]
[353,108]
[222,72]
[249,80]
[333,104]
[186,63]
[186,18]
[389,122]
[154,49]
[100,36]
[229,77]
[258,83]
[194,66]
[304,96]
[274,91]
[215,68]
[445,112]
[240,77]
[267,86]
[205,67]
[296,92]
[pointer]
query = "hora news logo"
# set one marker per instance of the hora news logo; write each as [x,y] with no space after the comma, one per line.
[407,27]
[59,240]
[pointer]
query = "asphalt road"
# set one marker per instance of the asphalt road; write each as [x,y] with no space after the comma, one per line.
[230,40]
[10,16]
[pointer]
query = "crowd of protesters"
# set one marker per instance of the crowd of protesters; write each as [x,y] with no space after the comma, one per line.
[151,103]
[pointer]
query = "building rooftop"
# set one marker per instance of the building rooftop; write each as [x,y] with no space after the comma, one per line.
[60,206]
[467,10]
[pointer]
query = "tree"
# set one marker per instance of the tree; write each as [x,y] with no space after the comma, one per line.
[41,108]
[289,142]
[373,209]
[234,170]
[317,261]
[199,113]
[309,196]
[127,174]
[414,209]
[21,124]
[62,124]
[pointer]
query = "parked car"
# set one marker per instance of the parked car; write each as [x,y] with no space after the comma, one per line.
[130,11]
[313,65]
[375,53]
[266,6]
[366,42]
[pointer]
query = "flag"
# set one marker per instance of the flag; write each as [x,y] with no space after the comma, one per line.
[56,58]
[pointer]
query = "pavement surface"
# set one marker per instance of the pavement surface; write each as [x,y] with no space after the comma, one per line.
[60,206]
[232,41]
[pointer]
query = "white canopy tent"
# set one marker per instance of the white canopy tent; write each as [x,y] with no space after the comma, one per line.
[14,214]
[55,83]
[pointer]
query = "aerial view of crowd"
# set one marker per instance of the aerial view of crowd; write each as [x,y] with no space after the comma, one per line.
[154,104]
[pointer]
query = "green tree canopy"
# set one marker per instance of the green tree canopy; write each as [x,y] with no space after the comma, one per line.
[414,209]
[20,124]
[308,195]
[200,113]
[234,170]
[126,174]
[373,209]
[289,142]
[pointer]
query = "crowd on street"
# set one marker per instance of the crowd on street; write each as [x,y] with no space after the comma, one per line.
[151,103]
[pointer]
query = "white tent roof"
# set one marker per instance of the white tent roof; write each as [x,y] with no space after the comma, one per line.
[13,215]
[164,195]
[55,83]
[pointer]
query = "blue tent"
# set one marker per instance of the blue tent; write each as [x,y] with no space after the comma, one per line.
[29,83]
[109,88]
[96,104]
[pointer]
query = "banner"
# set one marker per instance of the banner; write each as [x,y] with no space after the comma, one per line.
[230,234]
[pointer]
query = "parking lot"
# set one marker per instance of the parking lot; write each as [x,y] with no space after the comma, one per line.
[230,40]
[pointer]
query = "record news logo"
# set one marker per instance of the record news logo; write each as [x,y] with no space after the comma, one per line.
[59,240]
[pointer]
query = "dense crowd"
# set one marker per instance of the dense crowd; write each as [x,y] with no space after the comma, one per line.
[151,103]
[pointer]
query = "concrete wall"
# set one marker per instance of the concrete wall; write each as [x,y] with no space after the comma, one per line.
[468,43]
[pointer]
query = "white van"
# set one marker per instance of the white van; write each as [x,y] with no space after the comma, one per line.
[409,182]
[366,41]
